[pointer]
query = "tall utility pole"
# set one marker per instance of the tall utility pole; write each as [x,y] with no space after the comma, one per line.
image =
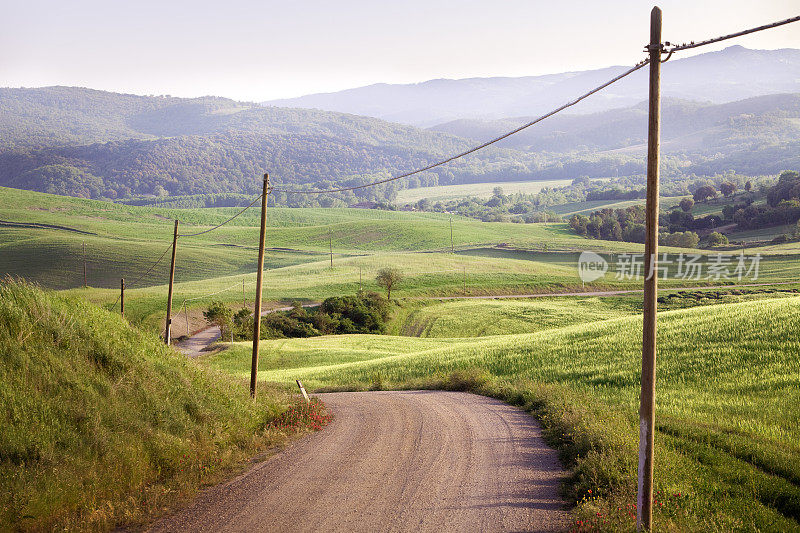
[259,279]
[644,507]
[84,265]
[168,332]
[122,297]
[452,248]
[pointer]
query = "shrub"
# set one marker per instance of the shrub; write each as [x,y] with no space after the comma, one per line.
[717,239]
[220,315]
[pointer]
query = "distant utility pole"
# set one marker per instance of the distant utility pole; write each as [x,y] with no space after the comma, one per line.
[259,280]
[186,314]
[452,248]
[168,332]
[122,297]
[644,507]
[84,265]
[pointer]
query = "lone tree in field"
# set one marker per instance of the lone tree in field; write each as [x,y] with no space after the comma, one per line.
[748,186]
[687,204]
[388,278]
[704,193]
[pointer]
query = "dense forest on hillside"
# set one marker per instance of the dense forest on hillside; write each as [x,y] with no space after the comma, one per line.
[95,144]
[679,227]
[753,136]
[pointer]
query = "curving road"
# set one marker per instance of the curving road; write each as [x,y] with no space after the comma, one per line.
[396,461]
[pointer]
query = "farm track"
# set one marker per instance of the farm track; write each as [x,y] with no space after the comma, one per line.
[396,461]
[197,343]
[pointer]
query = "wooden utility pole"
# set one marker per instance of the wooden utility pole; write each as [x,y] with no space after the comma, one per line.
[168,332]
[84,265]
[259,279]
[122,297]
[644,507]
[452,248]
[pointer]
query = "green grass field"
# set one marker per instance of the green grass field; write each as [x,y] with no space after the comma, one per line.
[727,399]
[123,241]
[480,318]
[479,190]
[763,234]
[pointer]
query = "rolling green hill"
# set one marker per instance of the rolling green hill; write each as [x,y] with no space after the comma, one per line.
[44,243]
[103,425]
[43,236]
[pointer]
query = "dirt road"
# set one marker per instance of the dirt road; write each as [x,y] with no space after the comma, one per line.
[194,345]
[396,461]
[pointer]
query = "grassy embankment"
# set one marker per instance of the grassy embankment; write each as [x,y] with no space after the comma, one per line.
[727,399]
[103,425]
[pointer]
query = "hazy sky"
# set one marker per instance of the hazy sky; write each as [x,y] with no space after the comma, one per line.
[259,50]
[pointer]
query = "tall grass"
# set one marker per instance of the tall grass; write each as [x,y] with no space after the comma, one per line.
[104,425]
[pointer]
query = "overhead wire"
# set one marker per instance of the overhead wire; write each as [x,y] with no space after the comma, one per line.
[256,199]
[140,278]
[692,44]
[213,293]
[475,148]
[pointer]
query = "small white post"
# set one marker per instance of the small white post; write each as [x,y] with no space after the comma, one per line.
[303,390]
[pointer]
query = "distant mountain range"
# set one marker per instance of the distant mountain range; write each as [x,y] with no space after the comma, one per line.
[734,73]
[82,142]
[752,136]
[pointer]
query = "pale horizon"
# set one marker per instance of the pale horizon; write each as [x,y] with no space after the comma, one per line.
[264,51]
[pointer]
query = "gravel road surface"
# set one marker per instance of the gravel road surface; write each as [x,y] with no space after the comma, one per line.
[396,461]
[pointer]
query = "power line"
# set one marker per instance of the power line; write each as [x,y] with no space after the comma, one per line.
[140,278]
[692,44]
[255,200]
[212,294]
[476,148]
